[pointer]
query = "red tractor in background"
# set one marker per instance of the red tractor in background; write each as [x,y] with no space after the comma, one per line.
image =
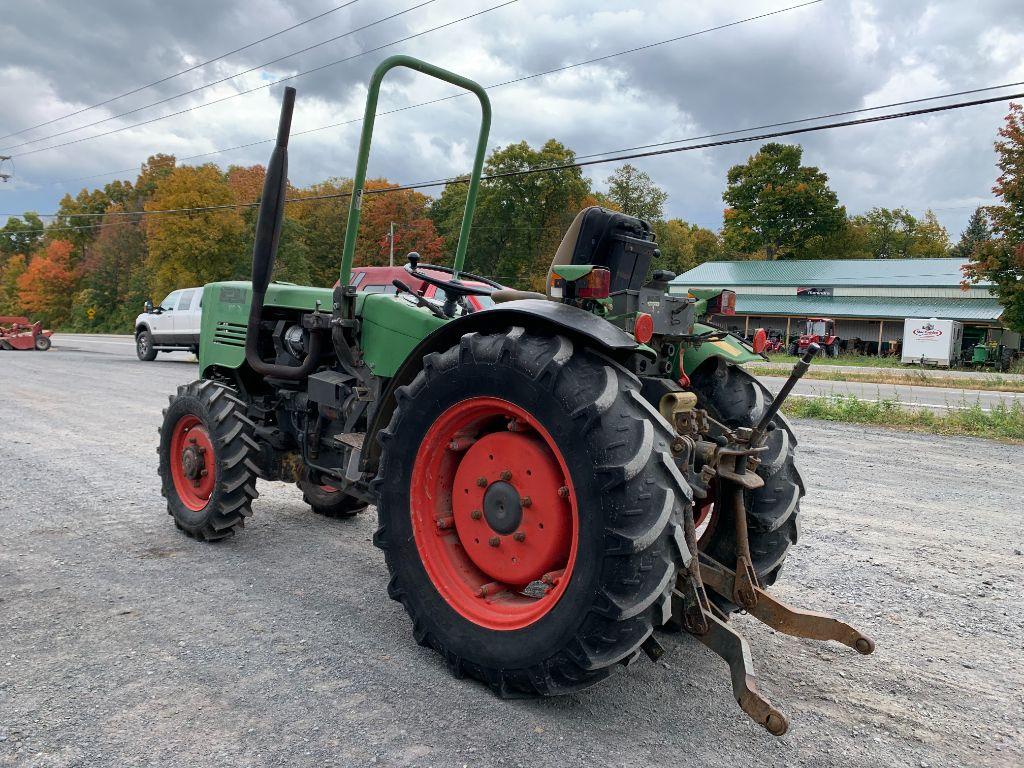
[21,333]
[820,331]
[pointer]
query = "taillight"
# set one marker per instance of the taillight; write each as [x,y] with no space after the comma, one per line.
[596,285]
[643,327]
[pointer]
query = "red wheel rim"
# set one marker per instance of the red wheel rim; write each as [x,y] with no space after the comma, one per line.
[192,462]
[494,513]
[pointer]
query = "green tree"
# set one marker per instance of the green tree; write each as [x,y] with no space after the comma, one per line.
[683,246]
[976,232]
[776,205]
[635,193]
[321,226]
[202,246]
[520,219]
[1001,259]
[20,235]
[896,234]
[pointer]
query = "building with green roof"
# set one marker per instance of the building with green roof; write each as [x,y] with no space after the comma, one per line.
[868,298]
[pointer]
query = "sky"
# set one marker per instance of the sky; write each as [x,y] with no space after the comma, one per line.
[61,57]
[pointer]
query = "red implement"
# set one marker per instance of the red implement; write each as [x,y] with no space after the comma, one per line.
[22,333]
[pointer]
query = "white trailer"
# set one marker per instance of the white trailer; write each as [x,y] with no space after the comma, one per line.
[932,341]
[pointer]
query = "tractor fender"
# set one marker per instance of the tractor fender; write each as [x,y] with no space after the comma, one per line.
[731,348]
[535,315]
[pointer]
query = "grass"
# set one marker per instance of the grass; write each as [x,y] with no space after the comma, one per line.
[914,377]
[1000,423]
[866,361]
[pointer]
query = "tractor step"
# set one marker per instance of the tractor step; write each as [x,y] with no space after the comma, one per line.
[733,647]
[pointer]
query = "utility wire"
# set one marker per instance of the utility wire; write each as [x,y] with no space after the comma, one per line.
[631,155]
[463,93]
[182,72]
[221,80]
[271,84]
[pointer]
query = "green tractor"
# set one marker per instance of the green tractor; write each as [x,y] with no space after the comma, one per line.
[555,477]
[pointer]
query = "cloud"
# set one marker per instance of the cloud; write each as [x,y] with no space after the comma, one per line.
[833,56]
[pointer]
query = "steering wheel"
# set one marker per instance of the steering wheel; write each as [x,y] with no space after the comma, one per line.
[453,288]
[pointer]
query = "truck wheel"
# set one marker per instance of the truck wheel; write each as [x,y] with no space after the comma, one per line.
[733,396]
[328,501]
[144,346]
[530,512]
[42,343]
[208,460]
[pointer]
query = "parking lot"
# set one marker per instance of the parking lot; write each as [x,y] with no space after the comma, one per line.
[124,643]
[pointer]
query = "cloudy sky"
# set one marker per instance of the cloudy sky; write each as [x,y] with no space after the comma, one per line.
[836,55]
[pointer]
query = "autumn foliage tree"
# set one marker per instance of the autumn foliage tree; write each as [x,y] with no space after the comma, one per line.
[1001,259]
[201,247]
[47,285]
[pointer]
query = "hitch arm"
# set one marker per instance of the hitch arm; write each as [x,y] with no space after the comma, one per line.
[784,618]
[733,648]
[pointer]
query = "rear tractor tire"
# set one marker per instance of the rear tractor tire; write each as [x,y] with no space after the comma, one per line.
[328,501]
[733,396]
[208,458]
[529,511]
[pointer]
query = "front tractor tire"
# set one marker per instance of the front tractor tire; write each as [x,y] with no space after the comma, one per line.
[208,458]
[530,513]
[736,398]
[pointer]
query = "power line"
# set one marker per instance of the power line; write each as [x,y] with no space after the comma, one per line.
[221,80]
[182,72]
[463,93]
[632,155]
[271,84]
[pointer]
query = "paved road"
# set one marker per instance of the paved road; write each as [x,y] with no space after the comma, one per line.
[123,643]
[981,373]
[935,398]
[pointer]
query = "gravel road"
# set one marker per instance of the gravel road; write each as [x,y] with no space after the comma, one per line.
[123,643]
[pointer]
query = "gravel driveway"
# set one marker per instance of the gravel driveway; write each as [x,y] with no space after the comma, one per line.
[123,643]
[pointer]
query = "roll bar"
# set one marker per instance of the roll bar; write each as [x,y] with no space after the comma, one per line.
[356,204]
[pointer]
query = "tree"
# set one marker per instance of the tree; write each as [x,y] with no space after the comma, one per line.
[10,299]
[777,205]
[520,219]
[20,235]
[114,274]
[198,247]
[683,246]
[896,234]
[409,210]
[46,287]
[976,232]
[635,194]
[321,225]
[1001,259]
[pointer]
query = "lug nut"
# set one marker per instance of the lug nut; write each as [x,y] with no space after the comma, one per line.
[482,482]
[519,536]
[564,491]
[476,514]
[494,541]
[445,523]
[506,475]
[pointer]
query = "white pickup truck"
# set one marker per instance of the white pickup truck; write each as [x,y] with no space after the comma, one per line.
[171,325]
